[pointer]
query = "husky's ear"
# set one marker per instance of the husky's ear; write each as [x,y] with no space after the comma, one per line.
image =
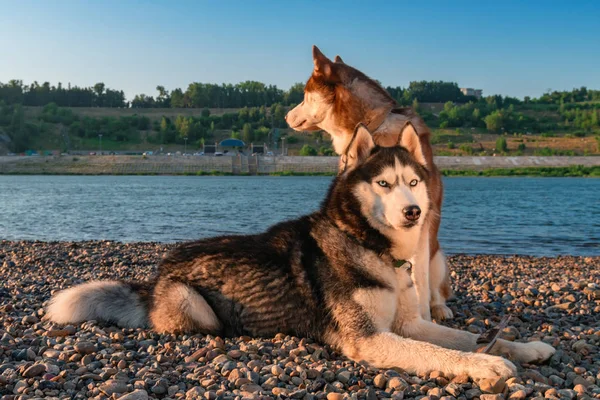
[338,60]
[358,149]
[323,65]
[409,139]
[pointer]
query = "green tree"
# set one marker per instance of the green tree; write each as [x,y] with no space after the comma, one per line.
[476,116]
[594,119]
[164,124]
[501,145]
[99,91]
[163,99]
[415,106]
[247,133]
[183,126]
[307,150]
[317,136]
[326,151]
[292,140]
[295,95]
[495,121]
[465,148]
[278,115]
[177,99]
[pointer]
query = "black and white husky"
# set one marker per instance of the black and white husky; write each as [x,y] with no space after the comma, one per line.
[331,275]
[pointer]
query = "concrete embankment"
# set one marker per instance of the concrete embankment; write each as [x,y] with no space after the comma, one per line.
[239,165]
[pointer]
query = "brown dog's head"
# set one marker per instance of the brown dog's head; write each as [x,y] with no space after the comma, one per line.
[336,98]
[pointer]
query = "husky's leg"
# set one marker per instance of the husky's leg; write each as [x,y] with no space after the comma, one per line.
[466,341]
[420,274]
[388,350]
[360,339]
[438,277]
[179,308]
[409,324]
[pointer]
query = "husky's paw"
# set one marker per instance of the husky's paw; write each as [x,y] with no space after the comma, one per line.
[485,366]
[531,352]
[440,312]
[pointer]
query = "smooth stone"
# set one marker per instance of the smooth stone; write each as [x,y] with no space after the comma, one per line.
[492,385]
[379,381]
[111,386]
[34,370]
[138,394]
[85,347]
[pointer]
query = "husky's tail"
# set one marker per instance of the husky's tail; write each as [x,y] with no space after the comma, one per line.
[122,303]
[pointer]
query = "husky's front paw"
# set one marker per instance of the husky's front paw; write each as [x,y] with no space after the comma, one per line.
[486,366]
[531,352]
[440,312]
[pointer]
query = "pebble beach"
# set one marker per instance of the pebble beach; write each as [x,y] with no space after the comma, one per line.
[556,300]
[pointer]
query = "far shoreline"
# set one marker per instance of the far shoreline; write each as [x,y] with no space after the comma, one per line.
[525,172]
[239,165]
[577,171]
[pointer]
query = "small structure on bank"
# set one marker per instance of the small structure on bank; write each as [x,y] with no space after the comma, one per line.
[233,143]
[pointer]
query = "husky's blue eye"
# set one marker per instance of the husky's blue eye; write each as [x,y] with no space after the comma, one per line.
[383,183]
[414,182]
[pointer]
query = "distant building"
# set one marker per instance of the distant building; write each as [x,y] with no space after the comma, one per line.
[471,92]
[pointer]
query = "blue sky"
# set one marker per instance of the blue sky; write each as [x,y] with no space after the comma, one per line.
[515,48]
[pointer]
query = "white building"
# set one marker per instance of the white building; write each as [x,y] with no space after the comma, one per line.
[471,92]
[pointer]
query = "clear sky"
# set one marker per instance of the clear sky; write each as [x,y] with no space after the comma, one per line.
[514,48]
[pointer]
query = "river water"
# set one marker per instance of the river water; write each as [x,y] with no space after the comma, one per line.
[528,216]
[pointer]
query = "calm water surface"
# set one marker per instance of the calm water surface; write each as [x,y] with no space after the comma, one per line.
[535,216]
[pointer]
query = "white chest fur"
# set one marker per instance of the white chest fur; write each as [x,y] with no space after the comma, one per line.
[380,304]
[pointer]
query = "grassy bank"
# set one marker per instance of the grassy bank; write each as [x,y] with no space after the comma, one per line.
[574,171]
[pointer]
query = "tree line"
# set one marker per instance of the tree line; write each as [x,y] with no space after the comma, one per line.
[244,94]
[251,124]
[499,115]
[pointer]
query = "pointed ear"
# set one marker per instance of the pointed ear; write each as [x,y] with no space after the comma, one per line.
[323,65]
[338,60]
[409,139]
[358,149]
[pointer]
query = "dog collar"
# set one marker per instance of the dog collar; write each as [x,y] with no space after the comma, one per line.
[376,122]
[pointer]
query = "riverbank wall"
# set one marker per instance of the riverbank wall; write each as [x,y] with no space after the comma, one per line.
[245,165]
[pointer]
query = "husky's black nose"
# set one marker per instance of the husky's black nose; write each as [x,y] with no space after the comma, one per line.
[412,213]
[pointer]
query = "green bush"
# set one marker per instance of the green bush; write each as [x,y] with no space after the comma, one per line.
[501,145]
[307,150]
[466,148]
[451,145]
[546,151]
[292,140]
[521,147]
[326,151]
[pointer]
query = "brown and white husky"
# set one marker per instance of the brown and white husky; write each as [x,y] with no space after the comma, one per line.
[329,275]
[336,98]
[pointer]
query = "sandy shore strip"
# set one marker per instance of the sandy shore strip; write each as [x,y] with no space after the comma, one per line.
[556,300]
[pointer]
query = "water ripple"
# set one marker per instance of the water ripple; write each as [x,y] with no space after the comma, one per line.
[530,216]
